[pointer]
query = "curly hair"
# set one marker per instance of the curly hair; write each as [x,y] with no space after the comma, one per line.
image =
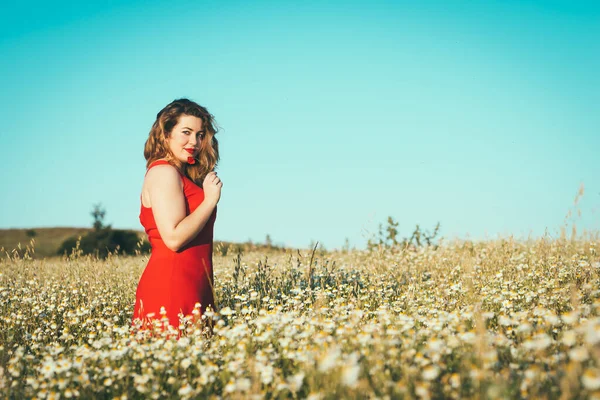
[156,146]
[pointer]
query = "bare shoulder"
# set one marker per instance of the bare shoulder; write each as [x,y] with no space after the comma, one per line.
[163,175]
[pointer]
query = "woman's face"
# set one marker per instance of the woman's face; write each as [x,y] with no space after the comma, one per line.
[185,137]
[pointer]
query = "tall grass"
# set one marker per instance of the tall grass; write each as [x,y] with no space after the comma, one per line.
[494,319]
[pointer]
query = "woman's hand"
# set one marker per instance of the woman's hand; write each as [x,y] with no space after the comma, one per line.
[212,187]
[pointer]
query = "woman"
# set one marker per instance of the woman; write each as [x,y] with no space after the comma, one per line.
[178,210]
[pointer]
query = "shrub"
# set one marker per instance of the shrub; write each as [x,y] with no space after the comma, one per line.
[388,237]
[103,241]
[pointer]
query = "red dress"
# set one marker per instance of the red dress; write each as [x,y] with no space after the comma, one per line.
[176,280]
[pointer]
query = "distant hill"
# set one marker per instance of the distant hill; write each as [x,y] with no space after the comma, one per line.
[47,240]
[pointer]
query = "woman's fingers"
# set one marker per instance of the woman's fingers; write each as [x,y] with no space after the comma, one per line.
[212,178]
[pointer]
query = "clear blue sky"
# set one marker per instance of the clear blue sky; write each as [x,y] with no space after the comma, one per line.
[483,115]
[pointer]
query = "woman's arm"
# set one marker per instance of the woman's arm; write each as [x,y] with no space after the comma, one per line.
[165,189]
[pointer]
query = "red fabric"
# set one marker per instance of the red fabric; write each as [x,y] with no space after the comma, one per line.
[176,280]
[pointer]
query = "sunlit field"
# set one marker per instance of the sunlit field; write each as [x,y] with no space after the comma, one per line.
[498,319]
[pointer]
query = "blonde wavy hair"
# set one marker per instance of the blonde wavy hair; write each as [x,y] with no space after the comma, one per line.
[156,146]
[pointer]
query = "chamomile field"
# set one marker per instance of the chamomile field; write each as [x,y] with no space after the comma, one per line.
[494,319]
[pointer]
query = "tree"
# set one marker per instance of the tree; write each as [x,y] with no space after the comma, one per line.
[98,213]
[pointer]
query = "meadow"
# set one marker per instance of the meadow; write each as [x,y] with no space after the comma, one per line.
[494,319]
